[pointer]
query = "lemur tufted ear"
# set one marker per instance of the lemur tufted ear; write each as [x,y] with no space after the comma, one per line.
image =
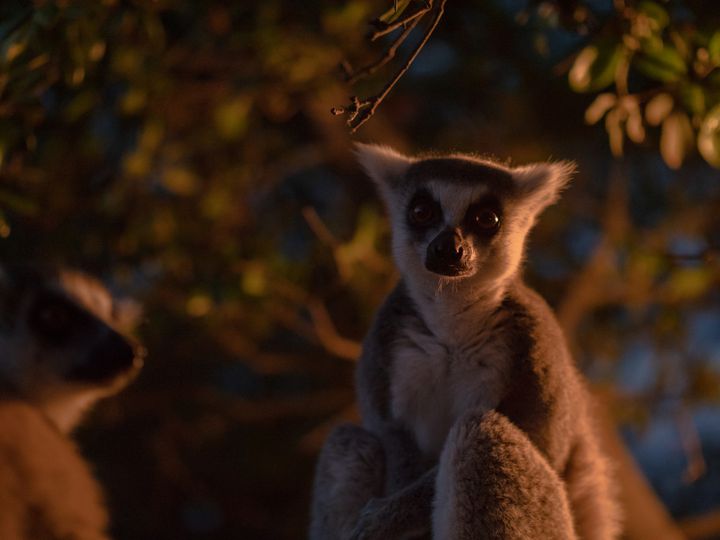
[540,184]
[383,165]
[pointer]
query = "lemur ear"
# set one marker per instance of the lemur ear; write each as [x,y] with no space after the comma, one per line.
[540,184]
[383,165]
[128,315]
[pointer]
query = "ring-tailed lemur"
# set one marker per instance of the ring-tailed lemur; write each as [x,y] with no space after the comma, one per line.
[476,423]
[60,351]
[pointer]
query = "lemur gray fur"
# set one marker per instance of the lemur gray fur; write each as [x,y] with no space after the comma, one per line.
[475,422]
[60,351]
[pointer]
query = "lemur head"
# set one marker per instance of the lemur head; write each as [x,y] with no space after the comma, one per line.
[60,347]
[460,219]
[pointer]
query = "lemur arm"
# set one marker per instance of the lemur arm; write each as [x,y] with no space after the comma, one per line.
[405,513]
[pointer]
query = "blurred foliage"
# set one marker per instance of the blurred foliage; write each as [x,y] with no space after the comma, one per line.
[184,151]
[668,65]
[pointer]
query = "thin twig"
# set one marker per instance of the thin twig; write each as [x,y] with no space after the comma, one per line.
[370,69]
[360,111]
[691,445]
[401,23]
[328,335]
[319,228]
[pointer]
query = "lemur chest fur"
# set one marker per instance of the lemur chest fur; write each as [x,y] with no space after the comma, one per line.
[433,383]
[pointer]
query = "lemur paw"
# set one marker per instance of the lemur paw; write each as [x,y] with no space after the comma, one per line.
[372,524]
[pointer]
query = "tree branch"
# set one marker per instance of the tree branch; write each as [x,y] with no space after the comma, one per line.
[369,69]
[361,110]
[389,29]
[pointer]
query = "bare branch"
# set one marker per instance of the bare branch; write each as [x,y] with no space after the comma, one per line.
[690,441]
[319,228]
[389,29]
[361,110]
[327,333]
[384,59]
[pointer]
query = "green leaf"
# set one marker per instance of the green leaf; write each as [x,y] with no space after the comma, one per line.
[17,203]
[693,97]
[709,137]
[254,280]
[598,108]
[714,47]
[658,108]
[656,13]
[689,283]
[666,65]
[676,138]
[595,66]
[231,117]
[393,14]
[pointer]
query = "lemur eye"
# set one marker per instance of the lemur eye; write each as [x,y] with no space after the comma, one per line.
[53,318]
[486,219]
[422,212]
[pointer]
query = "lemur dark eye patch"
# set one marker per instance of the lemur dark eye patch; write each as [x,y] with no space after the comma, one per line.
[55,319]
[423,211]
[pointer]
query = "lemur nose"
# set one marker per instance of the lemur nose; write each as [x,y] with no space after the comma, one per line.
[448,246]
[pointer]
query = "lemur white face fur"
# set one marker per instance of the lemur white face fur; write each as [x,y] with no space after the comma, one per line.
[459,222]
[59,346]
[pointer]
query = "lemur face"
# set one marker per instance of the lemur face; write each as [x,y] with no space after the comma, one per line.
[459,218]
[58,336]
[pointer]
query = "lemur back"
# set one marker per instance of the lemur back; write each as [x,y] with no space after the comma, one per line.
[59,353]
[461,356]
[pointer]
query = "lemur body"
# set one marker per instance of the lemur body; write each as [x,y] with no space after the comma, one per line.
[59,353]
[475,421]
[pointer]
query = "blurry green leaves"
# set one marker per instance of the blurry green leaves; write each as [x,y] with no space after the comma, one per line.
[394,13]
[709,137]
[658,108]
[346,18]
[180,180]
[690,283]
[231,117]
[676,139]
[16,203]
[362,247]
[714,48]
[254,280]
[595,67]
[672,70]
[622,117]
[139,162]
[665,64]
[653,15]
